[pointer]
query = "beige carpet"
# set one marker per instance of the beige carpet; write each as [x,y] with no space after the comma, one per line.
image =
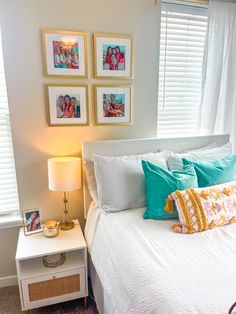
[10,304]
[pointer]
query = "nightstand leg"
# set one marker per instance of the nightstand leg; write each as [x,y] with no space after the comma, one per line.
[85,302]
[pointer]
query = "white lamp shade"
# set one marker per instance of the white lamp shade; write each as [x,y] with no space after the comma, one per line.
[64,174]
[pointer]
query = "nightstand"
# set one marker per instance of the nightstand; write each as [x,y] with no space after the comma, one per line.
[39,285]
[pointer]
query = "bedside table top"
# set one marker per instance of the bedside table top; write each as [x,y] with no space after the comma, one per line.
[37,245]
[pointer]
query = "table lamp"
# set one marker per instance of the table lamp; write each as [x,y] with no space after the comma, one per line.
[64,175]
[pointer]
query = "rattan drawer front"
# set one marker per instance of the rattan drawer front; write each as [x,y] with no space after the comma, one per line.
[50,289]
[54,287]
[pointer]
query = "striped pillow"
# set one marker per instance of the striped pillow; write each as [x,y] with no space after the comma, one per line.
[200,209]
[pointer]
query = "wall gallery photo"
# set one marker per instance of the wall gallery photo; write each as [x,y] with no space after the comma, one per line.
[68,105]
[65,53]
[113,105]
[113,56]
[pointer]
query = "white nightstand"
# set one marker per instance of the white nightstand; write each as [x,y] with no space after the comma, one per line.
[40,285]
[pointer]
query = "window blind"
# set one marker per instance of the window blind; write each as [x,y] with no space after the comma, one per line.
[183,31]
[9,201]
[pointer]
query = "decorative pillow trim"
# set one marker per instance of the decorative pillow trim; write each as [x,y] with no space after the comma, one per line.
[202,216]
[198,210]
[184,212]
[169,206]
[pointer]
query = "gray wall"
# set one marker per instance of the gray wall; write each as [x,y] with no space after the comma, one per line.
[34,141]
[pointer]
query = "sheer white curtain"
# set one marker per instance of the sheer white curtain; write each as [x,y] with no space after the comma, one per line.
[218,105]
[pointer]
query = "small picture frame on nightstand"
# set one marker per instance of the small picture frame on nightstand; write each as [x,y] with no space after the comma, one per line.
[32,221]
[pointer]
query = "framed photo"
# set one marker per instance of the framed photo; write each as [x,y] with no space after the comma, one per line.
[113,105]
[65,53]
[113,56]
[32,221]
[68,105]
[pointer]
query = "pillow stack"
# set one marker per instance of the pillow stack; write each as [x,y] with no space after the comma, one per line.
[176,193]
[170,185]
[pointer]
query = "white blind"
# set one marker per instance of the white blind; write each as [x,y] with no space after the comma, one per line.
[183,30]
[9,202]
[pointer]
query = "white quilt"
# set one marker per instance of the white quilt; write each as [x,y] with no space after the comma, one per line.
[147,268]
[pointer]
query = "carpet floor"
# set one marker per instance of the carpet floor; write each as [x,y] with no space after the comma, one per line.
[10,304]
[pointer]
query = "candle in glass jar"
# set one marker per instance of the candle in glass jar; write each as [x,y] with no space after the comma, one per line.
[50,229]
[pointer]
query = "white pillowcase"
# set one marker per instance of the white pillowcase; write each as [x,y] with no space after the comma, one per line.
[174,161]
[121,181]
[91,180]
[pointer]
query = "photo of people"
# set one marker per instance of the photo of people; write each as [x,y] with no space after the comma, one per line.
[66,54]
[68,106]
[113,105]
[113,57]
[32,221]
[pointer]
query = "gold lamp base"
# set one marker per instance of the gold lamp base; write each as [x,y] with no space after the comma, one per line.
[68,225]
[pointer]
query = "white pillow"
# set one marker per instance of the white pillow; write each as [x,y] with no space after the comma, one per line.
[121,181]
[174,161]
[91,180]
[90,177]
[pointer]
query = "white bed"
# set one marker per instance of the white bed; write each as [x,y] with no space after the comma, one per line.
[142,266]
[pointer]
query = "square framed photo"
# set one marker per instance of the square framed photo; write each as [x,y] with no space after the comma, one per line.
[68,105]
[32,221]
[113,56]
[113,105]
[65,53]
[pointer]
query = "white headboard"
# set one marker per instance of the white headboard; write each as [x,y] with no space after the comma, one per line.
[142,146]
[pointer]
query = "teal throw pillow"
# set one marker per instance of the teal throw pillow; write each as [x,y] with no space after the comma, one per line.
[214,172]
[160,183]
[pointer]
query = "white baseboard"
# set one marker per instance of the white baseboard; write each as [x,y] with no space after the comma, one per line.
[8,281]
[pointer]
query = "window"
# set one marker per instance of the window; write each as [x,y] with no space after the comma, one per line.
[9,202]
[183,31]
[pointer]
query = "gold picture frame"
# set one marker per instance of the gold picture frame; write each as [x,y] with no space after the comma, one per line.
[101,117]
[32,222]
[106,40]
[68,37]
[71,89]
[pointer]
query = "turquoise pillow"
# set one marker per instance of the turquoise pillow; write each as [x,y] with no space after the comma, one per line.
[160,183]
[214,172]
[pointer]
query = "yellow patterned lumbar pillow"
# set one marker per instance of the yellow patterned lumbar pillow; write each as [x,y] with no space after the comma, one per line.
[200,209]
